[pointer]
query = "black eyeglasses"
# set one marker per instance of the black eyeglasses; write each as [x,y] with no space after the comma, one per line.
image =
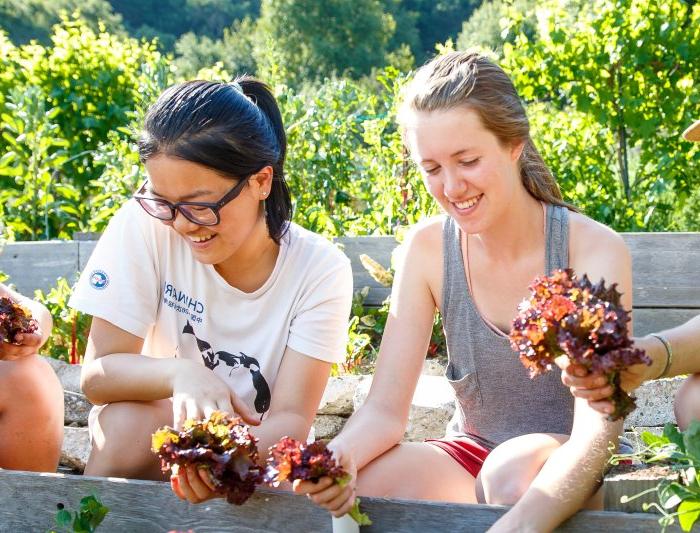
[201,213]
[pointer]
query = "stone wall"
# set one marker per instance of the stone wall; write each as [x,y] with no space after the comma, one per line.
[431,408]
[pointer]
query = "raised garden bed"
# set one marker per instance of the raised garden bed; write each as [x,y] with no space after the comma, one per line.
[28,503]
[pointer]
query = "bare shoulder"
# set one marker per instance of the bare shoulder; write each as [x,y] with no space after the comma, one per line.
[591,240]
[424,239]
[419,258]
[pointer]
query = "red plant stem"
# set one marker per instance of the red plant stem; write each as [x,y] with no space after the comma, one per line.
[74,342]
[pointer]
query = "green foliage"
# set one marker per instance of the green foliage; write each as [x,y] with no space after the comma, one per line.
[680,451]
[27,20]
[85,520]
[68,337]
[346,166]
[167,20]
[30,169]
[624,70]
[59,106]
[483,28]
[234,51]
[305,40]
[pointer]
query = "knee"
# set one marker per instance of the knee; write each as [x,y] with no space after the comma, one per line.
[687,401]
[499,483]
[121,440]
[31,384]
[512,466]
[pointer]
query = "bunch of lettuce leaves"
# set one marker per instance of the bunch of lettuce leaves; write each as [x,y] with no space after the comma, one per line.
[586,322]
[292,460]
[14,319]
[220,444]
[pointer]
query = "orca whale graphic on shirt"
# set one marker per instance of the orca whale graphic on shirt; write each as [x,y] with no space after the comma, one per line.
[212,359]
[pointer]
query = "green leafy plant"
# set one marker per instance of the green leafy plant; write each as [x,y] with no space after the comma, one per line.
[68,337]
[679,495]
[85,520]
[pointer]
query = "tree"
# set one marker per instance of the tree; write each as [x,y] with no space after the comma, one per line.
[25,20]
[234,51]
[625,71]
[483,28]
[305,40]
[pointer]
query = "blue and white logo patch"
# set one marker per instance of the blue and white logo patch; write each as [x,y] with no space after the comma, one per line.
[99,279]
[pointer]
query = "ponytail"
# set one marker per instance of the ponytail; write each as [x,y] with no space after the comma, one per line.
[278,205]
[538,179]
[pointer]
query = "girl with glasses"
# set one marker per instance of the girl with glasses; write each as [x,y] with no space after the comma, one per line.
[513,440]
[204,295]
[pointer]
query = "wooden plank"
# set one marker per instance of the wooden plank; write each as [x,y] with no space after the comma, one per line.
[666,266]
[85,249]
[666,269]
[28,503]
[649,320]
[37,265]
[379,249]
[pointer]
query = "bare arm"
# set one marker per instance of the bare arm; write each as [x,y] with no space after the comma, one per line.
[295,398]
[384,414]
[114,370]
[570,476]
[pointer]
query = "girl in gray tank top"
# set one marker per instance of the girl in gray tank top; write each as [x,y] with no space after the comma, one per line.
[487,376]
[513,440]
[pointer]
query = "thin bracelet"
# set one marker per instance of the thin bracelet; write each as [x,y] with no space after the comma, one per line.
[669,354]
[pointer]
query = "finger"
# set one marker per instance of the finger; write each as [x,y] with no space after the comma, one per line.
[242,410]
[208,409]
[591,381]
[309,487]
[338,505]
[192,410]
[186,488]
[207,478]
[345,509]
[604,407]
[175,485]
[592,394]
[179,415]
[323,497]
[199,488]
[224,405]
[31,340]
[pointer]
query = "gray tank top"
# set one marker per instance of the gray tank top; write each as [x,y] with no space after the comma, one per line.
[495,398]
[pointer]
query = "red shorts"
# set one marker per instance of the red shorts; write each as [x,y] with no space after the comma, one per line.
[466,451]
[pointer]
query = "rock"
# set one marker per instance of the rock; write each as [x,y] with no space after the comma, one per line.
[328,426]
[77,408]
[654,403]
[432,407]
[69,375]
[433,367]
[635,440]
[338,396]
[76,448]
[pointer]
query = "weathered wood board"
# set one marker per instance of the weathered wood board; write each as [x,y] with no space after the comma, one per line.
[28,503]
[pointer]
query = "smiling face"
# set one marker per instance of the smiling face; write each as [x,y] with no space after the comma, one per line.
[470,173]
[242,220]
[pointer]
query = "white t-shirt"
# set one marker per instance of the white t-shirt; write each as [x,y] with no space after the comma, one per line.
[143,278]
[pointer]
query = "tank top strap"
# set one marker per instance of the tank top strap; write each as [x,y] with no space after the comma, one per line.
[454,280]
[556,238]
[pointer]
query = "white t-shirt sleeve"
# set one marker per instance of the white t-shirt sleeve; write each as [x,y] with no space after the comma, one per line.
[320,327]
[120,281]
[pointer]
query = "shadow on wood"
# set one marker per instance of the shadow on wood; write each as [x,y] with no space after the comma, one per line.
[28,503]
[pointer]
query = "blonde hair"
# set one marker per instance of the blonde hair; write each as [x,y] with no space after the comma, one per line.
[469,79]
